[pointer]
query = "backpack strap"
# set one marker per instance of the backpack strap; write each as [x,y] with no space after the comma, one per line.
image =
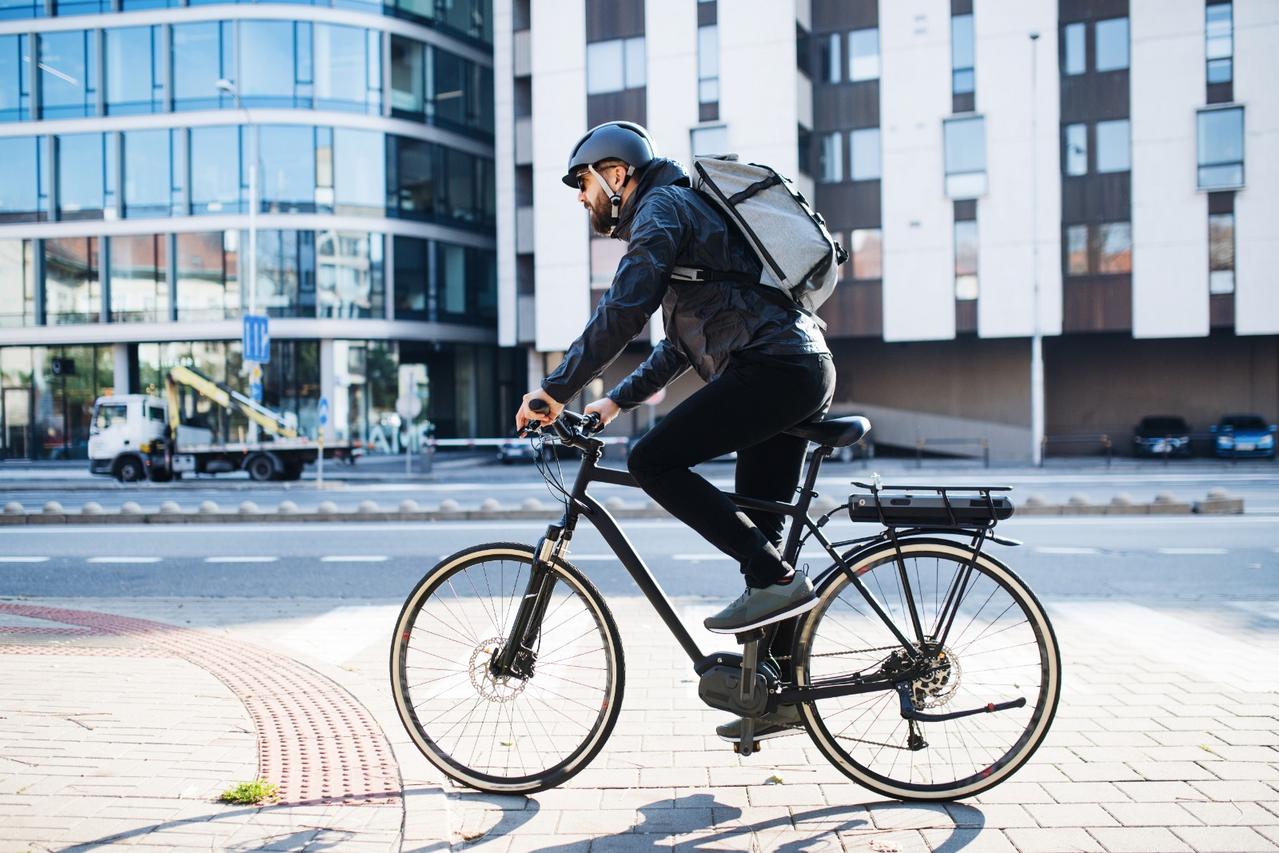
[692,275]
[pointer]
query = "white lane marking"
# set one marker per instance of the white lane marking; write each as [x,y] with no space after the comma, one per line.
[353,558]
[24,559]
[1067,550]
[700,557]
[240,559]
[1187,552]
[124,559]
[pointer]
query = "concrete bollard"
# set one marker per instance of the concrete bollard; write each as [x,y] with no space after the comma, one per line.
[248,508]
[450,505]
[368,507]
[1218,494]
[170,508]
[91,508]
[490,505]
[13,508]
[53,508]
[287,508]
[409,505]
[209,508]
[1123,504]
[531,505]
[130,508]
[1166,503]
[1219,502]
[1077,504]
[327,508]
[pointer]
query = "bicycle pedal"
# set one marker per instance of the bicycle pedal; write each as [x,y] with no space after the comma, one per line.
[755,747]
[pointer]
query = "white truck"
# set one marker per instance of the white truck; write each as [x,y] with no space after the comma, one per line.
[141,437]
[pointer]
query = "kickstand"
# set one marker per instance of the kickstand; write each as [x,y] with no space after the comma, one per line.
[750,662]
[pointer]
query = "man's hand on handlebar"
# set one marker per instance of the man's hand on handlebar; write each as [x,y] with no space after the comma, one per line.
[544,411]
[605,409]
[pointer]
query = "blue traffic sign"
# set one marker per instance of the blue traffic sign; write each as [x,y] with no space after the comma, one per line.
[324,410]
[257,339]
[255,391]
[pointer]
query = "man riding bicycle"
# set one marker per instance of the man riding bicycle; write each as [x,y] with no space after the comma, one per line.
[764,361]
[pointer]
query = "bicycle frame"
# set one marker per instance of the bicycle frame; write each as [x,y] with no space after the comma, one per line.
[516,656]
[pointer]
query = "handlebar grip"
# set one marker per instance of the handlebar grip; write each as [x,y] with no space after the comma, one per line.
[538,405]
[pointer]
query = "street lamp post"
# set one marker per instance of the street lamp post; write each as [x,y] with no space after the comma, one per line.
[233,89]
[1036,338]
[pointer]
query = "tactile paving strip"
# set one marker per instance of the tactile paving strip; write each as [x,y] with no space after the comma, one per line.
[314,739]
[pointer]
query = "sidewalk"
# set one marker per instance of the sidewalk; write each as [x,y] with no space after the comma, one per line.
[121,720]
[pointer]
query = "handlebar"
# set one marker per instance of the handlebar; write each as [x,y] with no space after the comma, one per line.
[570,426]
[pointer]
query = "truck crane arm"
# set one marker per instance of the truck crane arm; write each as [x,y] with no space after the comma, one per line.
[228,398]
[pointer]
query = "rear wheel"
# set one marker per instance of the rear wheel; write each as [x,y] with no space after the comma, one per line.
[505,734]
[260,468]
[1000,648]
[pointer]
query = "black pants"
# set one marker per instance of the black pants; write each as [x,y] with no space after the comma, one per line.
[745,410]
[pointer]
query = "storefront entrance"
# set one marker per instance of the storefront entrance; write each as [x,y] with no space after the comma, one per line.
[15,423]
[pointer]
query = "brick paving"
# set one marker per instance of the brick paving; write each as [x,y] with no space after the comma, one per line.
[1167,739]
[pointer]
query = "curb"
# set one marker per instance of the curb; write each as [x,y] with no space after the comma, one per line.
[1216,503]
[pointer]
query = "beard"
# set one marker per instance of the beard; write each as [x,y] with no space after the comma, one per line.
[601,217]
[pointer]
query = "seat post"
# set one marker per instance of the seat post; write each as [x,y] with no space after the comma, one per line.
[805,499]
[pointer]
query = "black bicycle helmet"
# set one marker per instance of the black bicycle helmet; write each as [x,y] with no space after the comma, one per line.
[612,140]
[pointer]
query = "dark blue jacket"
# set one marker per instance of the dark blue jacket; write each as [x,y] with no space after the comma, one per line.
[666,224]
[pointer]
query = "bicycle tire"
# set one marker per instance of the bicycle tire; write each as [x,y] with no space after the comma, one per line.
[528,712]
[974,746]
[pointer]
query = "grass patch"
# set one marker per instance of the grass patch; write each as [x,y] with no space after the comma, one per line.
[251,793]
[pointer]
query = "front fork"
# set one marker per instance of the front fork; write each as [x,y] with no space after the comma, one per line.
[519,653]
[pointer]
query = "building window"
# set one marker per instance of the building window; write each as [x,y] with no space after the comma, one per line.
[864,165]
[863,55]
[1220,44]
[17,283]
[1073,53]
[1075,154]
[804,142]
[965,157]
[1221,253]
[71,288]
[24,181]
[803,47]
[1111,44]
[708,65]
[82,182]
[348,280]
[830,169]
[135,70]
[202,54]
[1114,247]
[614,65]
[1113,146]
[963,78]
[867,247]
[139,279]
[966,260]
[215,169]
[147,173]
[359,163]
[1221,148]
[15,78]
[831,67]
[709,140]
[1102,249]
[68,74]
[208,285]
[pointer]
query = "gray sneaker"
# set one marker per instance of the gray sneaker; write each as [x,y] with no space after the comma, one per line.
[755,608]
[784,721]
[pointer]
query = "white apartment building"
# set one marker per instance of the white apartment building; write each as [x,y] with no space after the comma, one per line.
[1099,172]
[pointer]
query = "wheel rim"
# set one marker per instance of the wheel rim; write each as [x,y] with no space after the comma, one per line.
[999,648]
[505,733]
[129,472]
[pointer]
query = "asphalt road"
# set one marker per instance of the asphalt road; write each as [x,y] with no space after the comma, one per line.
[1156,559]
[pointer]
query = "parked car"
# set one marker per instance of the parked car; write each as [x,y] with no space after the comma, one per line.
[1161,435]
[1243,435]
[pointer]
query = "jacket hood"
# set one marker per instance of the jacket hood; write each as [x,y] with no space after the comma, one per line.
[660,172]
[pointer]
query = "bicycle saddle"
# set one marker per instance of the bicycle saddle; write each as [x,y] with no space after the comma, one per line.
[833,432]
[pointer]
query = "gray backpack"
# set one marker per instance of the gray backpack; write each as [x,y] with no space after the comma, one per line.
[800,258]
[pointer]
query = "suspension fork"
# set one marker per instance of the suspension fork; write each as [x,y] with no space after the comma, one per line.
[519,652]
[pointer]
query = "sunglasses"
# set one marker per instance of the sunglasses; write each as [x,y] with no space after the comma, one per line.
[580,180]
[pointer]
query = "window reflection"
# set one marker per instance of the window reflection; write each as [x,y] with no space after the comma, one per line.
[215,169]
[81,177]
[68,74]
[1221,151]
[965,157]
[208,286]
[966,260]
[17,283]
[135,70]
[1114,247]
[412,278]
[865,161]
[286,273]
[359,171]
[146,172]
[268,73]
[1072,51]
[21,189]
[868,253]
[1113,149]
[1111,44]
[287,156]
[71,288]
[15,77]
[863,55]
[139,279]
[202,55]
[349,70]
[349,274]
[1077,250]
[1221,253]
[1076,153]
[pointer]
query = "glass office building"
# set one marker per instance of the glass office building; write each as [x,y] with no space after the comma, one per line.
[135,136]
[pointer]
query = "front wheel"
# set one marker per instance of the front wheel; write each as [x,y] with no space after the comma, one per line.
[505,734]
[999,648]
